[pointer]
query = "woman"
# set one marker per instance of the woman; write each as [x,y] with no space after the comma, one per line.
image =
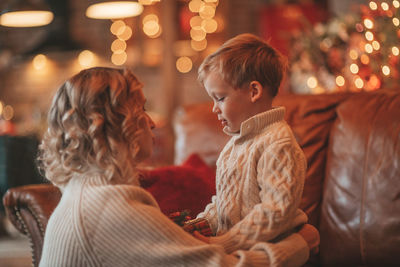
[97,133]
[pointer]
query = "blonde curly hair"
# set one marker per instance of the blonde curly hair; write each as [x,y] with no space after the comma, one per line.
[93,124]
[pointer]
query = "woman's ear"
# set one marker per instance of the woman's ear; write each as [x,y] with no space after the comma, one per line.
[256,91]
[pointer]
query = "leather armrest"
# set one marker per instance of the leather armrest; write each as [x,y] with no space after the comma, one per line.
[29,208]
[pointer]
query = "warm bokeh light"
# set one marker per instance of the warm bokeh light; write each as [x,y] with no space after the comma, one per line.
[195,21]
[376,45]
[198,45]
[369,36]
[396,22]
[8,112]
[374,82]
[195,5]
[150,17]
[396,4]
[26,18]
[146,2]
[86,58]
[359,83]
[126,34]
[197,34]
[119,58]
[385,6]
[184,64]
[118,46]
[340,80]
[207,11]
[39,62]
[114,10]
[386,70]
[368,23]
[151,28]
[209,25]
[353,54]
[373,5]
[368,48]
[354,68]
[117,27]
[395,51]
[364,59]
[312,82]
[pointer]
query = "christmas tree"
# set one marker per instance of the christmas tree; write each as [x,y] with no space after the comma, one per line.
[357,52]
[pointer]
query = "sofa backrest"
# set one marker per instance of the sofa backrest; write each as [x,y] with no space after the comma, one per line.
[360,215]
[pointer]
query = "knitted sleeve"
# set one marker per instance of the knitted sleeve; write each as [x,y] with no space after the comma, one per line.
[210,214]
[280,174]
[131,230]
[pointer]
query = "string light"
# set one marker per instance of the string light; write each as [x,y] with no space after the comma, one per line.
[364,59]
[386,70]
[385,6]
[373,5]
[395,51]
[126,34]
[368,48]
[198,45]
[39,62]
[86,58]
[117,27]
[396,21]
[354,68]
[195,5]
[396,4]
[369,36]
[359,83]
[353,54]
[119,58]
[118,45]
[340,80]
[184,64]
[312,82]
[376,45]
[368,23]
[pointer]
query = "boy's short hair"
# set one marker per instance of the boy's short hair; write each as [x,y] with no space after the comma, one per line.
[246,58]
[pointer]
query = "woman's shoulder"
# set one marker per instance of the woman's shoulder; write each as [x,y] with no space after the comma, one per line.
[120,194]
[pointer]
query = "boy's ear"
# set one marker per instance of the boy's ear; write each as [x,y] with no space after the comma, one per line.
[256,91]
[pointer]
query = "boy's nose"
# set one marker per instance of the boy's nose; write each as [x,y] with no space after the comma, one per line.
[215,108]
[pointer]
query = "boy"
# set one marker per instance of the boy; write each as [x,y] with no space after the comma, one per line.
[261,170]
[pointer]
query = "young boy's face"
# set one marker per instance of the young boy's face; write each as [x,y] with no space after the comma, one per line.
[233,106]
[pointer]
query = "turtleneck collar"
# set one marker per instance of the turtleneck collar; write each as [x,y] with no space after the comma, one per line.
[259,122]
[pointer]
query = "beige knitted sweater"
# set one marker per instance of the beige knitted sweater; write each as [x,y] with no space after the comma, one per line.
[260,178]
[98,224]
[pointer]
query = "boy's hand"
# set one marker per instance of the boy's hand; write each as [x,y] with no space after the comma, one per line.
[311,236]
[201,237]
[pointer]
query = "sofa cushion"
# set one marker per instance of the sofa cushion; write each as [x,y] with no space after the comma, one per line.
[360,223]
[187,186]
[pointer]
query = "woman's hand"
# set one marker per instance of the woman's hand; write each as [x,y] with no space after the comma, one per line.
[201,237]
[311,236]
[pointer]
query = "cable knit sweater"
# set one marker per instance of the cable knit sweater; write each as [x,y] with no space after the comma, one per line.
[98,224]
[260,178]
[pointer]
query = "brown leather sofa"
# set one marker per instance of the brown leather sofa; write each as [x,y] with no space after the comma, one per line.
[352,190]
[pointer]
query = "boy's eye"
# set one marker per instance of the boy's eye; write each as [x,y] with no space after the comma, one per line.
[219,99]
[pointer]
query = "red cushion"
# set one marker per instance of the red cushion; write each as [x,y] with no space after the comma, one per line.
[187,186]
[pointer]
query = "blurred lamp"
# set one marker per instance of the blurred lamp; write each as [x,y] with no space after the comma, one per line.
[20,13]
[114,10]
